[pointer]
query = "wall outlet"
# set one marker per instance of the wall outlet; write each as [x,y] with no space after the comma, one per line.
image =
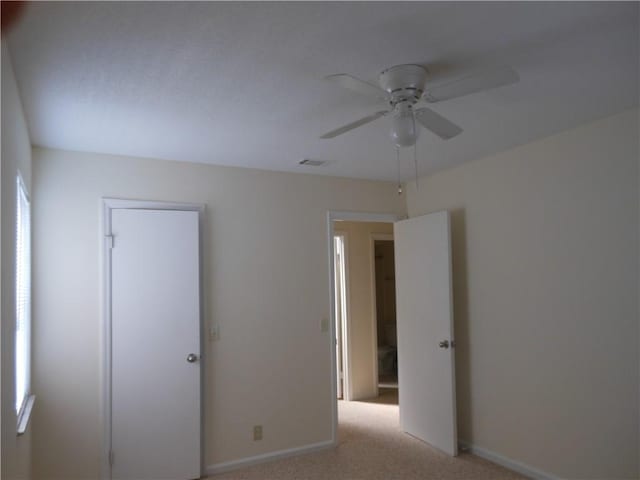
[257,432]
[324,325]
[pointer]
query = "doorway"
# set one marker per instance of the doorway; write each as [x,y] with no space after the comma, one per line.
[424,312]
[363,350]
[334,220]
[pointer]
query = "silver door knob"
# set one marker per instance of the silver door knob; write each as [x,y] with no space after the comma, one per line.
[444,344]
[192,358]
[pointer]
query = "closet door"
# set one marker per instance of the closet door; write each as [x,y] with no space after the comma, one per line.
[155,345]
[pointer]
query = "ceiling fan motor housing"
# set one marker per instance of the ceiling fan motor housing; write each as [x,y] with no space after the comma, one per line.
[404,83]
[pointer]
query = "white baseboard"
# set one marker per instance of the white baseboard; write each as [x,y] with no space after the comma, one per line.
[521,468]
[268,457]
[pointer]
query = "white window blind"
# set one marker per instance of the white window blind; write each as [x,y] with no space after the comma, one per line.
[23,296]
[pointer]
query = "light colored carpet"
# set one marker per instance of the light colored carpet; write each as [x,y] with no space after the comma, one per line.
[372,447]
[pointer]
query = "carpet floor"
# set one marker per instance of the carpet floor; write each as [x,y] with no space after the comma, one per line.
[372,447]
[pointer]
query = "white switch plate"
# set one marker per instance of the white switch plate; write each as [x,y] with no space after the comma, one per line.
[324,325]
[214,333]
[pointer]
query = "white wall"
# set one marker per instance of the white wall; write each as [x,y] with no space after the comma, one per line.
[266,285]
[363,353]
[16,156]
[545,249]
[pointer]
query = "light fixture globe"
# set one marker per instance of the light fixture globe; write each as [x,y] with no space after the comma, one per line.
[403,126]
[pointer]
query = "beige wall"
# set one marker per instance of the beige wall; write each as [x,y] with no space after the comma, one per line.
[545,242]
[361,320]
[266,285]
[16,156]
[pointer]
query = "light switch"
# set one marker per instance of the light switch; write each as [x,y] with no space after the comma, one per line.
[324,325]
[214,333]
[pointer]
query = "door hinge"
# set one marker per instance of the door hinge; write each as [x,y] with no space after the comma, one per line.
[109,239]
[111,457]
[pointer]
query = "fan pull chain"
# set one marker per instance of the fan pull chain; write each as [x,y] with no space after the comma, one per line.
[398,162]
[415,163]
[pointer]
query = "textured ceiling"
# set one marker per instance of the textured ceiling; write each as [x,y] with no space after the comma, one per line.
[242,83]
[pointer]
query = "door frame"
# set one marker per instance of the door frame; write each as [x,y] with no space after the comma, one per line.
[374,298]
[332,216]
[107,206]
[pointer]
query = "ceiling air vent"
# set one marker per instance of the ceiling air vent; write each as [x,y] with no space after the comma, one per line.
[311,163]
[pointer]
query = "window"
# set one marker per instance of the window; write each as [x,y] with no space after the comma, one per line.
[23,300]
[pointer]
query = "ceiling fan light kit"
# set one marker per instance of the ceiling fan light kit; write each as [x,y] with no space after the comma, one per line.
[403,126]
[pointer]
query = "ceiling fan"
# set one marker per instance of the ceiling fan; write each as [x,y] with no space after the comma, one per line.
[405,89]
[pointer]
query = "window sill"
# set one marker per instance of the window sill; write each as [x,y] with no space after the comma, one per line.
[25,415]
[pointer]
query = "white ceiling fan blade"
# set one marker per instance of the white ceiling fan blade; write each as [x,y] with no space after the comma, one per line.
[476,82]
[359,86]
[352,125]
[436,123]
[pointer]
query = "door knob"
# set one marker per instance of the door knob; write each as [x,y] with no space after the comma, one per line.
[192,358]
[444,344]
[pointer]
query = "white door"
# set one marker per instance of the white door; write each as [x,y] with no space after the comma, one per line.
[425,330]
[155,324]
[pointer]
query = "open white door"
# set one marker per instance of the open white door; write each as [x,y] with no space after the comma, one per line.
[155,345]
[426,372]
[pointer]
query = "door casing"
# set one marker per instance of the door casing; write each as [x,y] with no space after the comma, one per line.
[105,238]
